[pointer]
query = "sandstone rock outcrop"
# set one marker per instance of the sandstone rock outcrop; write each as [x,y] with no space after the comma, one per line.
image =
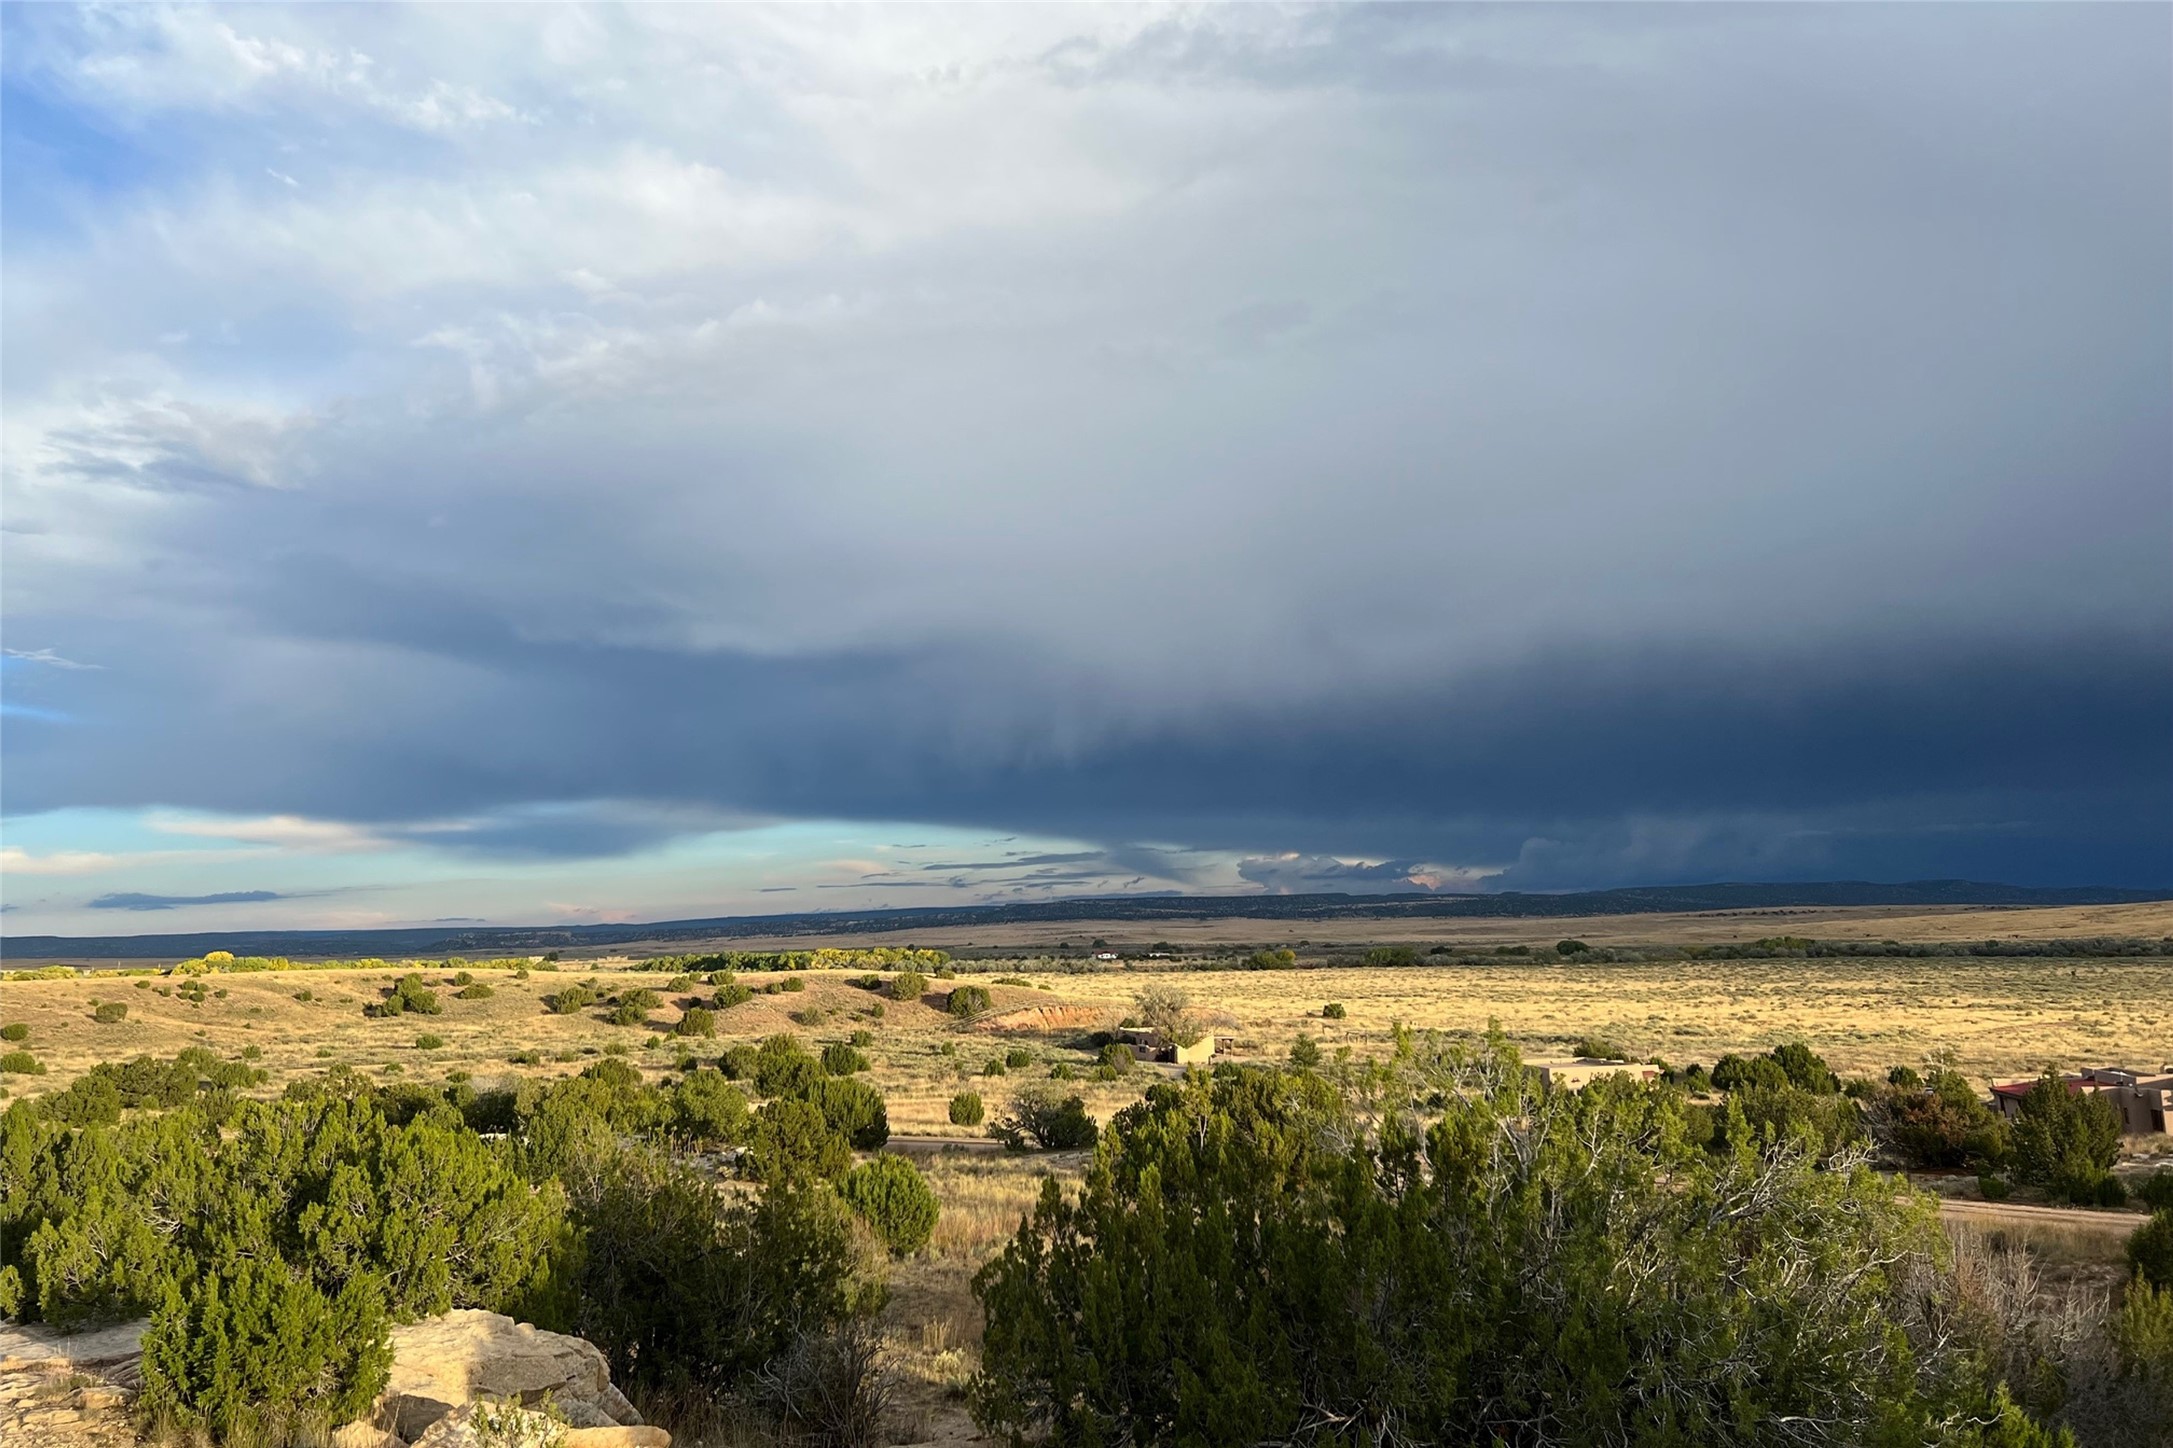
[446,1364]
[510,1427]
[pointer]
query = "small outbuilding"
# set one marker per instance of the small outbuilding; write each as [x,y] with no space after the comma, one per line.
[1146,1044]
[1584,1070]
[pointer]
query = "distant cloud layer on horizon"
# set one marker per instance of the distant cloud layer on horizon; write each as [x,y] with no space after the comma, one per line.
[502,461]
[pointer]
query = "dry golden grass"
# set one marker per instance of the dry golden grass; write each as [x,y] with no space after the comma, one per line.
[921,1055]
[2000,1018]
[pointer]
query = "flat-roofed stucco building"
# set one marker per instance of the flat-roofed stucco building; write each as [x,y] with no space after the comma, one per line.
[2145,1103]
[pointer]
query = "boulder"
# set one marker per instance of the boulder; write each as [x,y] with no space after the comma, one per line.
[34,1345]
[521,1428]
[452,1360]
[365,1435]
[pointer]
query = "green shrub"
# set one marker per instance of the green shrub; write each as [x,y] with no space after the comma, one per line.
[1040,1117]
[730,992]
[20,1063]
[1304,1053]
[14,1031]
[569,999]
[429,1042]
[908,985]
[2150,1249]
[891,1196]
[1570,947]
[525,1058]
[476,992]
[967,1001]
[1943,1123]
[626,1014]
[739,1063]
[1017,1057]
[1600,1048]
[854,1109]
[1271,960]
[793,984]
[2064,1139]
[1995,1188]
[1333,1011]
[1806,1069]
[688,1292]
[708,1109]
[1737,1073]
[783,1067]
[410,994]
[109,1012]
[1247,1257]
[793,1141]
[966,1109]
[2143,1332]
[1117,1057]
[843,1060]
[863,1039]
[257,1350]
[2157,1189]
[696,1021]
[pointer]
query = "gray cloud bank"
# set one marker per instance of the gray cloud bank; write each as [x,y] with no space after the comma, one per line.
[1593,445]
[130,900]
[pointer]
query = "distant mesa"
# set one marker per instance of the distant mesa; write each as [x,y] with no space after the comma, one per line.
[1635,900]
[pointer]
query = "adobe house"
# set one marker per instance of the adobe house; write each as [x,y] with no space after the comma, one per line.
[1582,1072]
[1147,1045]
[2145,1103]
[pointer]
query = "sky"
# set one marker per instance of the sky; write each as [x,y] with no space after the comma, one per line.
[592,464]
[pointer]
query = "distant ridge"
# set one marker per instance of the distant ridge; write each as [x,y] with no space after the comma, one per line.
[1638,900]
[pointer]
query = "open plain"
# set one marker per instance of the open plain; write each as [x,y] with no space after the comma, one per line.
[1990,1017]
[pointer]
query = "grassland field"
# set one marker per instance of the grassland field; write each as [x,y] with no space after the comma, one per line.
[1995,1018]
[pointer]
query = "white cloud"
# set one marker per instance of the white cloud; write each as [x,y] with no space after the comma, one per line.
[14,860]
[285,832]
[48,657]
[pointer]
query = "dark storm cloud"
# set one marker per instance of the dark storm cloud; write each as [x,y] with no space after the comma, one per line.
[2044,759]
[1583,445]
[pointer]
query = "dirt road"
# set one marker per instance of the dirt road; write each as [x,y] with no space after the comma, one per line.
[2116,1225]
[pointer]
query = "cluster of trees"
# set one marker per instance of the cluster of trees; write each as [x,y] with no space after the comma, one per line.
[874,958]
[1781,947]
[224,961]
[274,1243]
[407,995]
[2061,1140]
[1254,1259]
